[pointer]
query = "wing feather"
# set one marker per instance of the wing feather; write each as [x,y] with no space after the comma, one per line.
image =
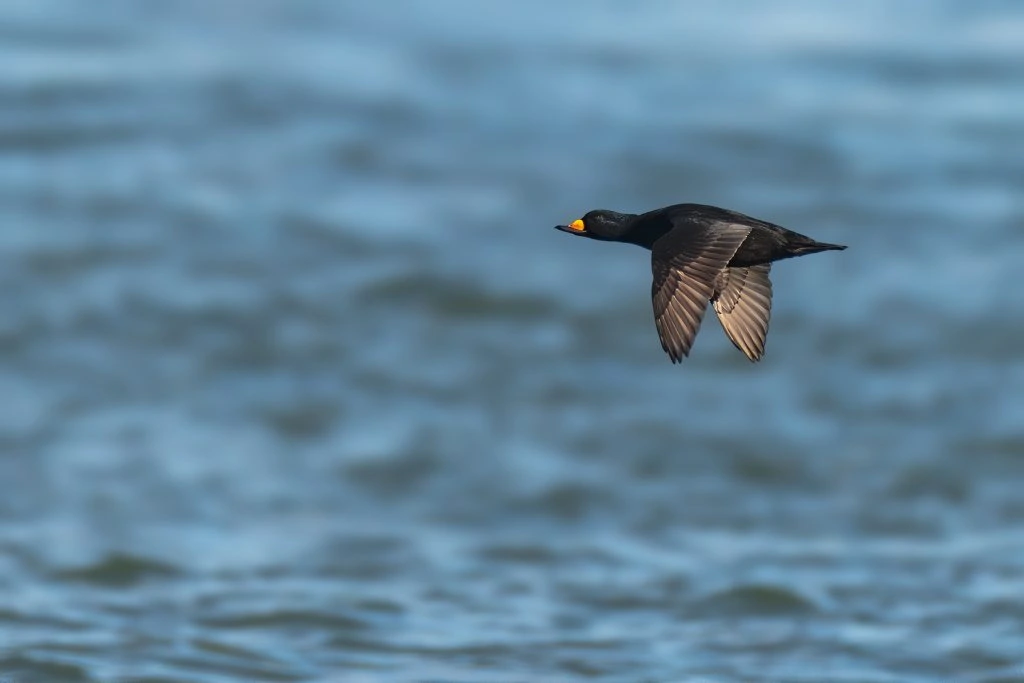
[743,302]
[686,264]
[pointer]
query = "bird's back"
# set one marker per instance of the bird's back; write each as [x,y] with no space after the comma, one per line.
[766,242]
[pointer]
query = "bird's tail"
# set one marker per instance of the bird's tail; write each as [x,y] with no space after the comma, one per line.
[812,247]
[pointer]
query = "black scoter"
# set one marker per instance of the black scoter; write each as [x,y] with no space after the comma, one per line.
[702,254]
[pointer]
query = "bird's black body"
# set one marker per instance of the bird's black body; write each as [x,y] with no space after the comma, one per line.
[702,254]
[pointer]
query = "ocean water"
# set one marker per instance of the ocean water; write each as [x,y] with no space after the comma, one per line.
[299,384]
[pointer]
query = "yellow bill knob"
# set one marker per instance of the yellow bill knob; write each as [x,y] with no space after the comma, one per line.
[577,225]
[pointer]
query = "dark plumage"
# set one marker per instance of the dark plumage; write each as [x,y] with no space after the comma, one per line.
[702,254]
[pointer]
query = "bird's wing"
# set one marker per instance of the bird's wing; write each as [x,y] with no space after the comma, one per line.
[686,263]
[743,302]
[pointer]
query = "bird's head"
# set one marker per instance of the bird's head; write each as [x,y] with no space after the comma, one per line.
[608,226]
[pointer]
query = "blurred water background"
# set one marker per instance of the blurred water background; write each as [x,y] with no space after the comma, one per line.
[299,384]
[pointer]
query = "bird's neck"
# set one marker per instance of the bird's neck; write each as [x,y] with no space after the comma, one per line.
[643,233]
